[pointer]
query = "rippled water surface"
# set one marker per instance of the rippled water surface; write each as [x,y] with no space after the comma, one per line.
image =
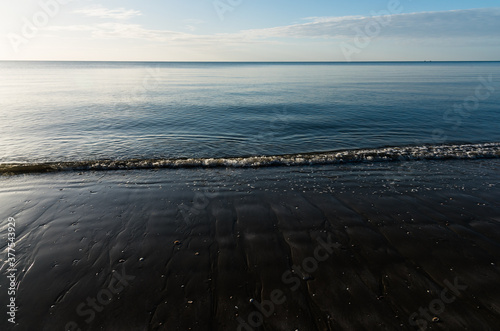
[73,111]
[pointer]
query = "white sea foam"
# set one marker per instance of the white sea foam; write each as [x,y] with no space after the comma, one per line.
[385,154]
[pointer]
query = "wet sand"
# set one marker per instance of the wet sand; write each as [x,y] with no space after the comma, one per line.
[371,246]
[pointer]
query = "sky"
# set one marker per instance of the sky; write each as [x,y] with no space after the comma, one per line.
[250,30]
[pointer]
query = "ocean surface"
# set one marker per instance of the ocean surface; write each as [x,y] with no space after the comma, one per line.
[58,115]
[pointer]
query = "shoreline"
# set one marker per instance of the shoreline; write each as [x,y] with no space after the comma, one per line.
[488,150]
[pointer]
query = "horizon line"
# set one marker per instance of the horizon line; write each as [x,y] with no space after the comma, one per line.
[375,61]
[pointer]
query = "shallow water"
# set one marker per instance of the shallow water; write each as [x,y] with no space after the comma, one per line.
[387,154]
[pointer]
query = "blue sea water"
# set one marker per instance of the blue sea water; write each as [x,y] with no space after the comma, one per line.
[84,111]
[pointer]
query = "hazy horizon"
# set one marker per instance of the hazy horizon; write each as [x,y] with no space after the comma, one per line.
[262,62]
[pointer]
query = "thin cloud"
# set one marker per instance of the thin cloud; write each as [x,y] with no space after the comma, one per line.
[115,30]
[471,25]
[101,12]
[452,24]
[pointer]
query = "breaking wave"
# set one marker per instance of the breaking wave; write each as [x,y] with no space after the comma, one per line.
[385,154]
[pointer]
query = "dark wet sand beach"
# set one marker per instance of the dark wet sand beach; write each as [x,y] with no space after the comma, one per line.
[370,246]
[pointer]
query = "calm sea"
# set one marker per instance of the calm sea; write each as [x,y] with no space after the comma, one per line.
[110,111]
